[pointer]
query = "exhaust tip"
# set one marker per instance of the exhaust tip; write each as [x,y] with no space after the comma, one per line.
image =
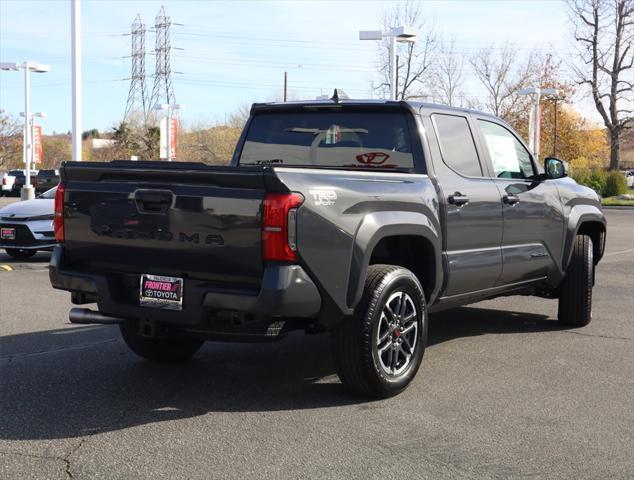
[85,316]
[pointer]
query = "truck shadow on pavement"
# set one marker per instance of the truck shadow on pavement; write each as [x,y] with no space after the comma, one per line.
[77,382]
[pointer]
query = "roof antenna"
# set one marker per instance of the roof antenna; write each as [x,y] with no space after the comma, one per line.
[339,95]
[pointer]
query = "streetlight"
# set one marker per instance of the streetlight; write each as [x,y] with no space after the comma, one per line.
[27,192]
[397,34]
[555,98]
[32,128]
[75,24]
[535,119]
[169,108]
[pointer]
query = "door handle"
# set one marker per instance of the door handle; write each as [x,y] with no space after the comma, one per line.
[511,199]
[458,199]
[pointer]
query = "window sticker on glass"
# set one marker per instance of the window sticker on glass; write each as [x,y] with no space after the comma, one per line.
[503,154]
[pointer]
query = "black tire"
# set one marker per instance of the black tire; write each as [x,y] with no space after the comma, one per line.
[575,295]
[359,364]
[20,253]
[159,349]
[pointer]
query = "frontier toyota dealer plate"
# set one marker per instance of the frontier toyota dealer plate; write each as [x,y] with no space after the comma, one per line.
[7,233]
[161,292]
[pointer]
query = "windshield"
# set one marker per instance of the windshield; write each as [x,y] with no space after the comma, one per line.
[329,139]
[49,194]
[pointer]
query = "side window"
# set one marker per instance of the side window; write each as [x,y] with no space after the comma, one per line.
[457,145]
[509,157]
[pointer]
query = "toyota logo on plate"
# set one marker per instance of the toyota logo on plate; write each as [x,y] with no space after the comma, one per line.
[372,158]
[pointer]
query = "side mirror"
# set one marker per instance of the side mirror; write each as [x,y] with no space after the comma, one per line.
[555,168]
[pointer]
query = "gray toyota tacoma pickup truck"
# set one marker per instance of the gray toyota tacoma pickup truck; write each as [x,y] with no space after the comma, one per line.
[357,218]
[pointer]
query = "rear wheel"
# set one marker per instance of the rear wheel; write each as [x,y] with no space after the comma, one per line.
[159,349]
[575,297]
[379,350]
[20,252]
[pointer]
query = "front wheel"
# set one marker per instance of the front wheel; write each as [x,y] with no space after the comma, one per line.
[575,297]
[20,253]
[379,350]
[159,349]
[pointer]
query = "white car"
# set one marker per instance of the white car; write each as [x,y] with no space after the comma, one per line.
[630,178]
[9,186]
[26,227]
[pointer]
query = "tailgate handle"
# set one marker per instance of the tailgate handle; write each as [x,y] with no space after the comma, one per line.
[153,201]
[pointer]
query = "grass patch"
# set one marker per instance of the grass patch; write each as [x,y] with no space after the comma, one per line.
[614,202]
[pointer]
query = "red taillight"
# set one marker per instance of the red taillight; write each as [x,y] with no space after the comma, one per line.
[58,220]
[4,180]
[278,226]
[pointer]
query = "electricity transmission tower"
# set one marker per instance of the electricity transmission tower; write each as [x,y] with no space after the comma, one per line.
[136,104]
[163,92]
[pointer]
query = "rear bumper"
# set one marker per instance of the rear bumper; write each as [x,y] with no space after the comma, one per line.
[286,292]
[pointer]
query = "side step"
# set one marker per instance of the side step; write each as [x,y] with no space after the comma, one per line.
[85,316]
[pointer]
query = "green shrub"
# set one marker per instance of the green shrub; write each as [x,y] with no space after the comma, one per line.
[597,181]
[580,175]
[615,184]
[602,182]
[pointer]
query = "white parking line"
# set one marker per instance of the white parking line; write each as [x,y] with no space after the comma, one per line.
[618,253]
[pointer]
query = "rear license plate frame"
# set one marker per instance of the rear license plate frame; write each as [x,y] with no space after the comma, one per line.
[161,291]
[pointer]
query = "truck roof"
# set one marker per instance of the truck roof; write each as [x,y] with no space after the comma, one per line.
[411,104]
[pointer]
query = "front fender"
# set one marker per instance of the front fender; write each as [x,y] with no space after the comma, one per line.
[578,215]
[378,225]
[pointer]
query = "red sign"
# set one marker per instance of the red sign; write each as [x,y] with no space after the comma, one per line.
[173,136]
[37,143]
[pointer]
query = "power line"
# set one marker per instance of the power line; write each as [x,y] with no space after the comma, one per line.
[163,91]
[136,103]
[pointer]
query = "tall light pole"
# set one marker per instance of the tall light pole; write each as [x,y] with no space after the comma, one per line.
[555,99]
[397,34]
[535,119]
[169,108]
[29,66]
[75,13]
[285,86]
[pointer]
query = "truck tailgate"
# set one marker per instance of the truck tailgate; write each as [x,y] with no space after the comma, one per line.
[180,219]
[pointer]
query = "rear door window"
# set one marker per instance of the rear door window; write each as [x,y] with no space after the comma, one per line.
[457,145]
[365,140]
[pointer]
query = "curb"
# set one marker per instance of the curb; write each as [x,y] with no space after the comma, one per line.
[618,207]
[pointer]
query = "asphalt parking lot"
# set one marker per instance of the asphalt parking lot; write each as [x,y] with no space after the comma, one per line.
[504,392]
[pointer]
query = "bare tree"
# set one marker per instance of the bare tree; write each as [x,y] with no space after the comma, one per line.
[502,74]
[238,119]
[449,75]
[414,60]
[10,141]
[604,31]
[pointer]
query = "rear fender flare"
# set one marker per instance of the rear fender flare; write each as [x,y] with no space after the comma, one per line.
[378,225]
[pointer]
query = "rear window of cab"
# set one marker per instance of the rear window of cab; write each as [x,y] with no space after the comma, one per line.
[364,140]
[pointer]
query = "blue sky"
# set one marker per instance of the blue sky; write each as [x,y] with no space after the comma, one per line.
[235,53]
